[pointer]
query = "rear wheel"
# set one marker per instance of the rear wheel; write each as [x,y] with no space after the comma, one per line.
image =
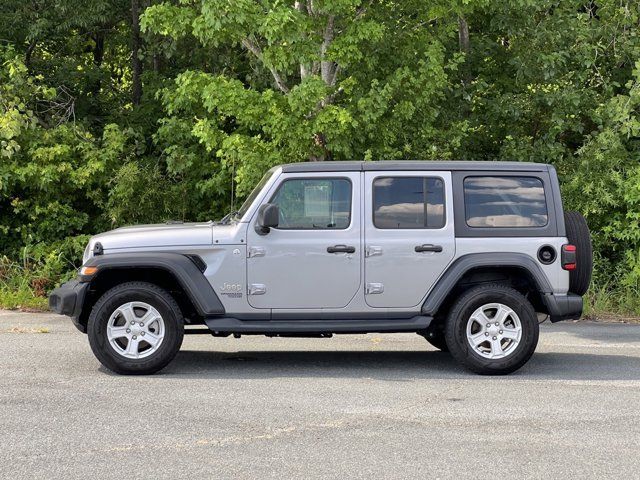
[135,328]
[492,330]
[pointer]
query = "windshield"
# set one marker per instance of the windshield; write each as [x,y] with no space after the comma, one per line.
[254,193]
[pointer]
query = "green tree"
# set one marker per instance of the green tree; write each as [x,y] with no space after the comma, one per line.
[327,80]
[103,123]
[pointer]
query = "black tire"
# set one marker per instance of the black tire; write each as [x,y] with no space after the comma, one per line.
[579,235]
[148,293]
[460,313]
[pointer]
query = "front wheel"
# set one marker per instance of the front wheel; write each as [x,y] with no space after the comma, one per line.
[135,328]
[492,330]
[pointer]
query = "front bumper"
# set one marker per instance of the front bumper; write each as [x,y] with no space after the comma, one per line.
[564,307]
[68,299]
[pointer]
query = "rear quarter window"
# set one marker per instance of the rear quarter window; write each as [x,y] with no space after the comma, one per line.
[505,202]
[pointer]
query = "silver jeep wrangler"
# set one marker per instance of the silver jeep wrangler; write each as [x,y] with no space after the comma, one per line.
[467,254]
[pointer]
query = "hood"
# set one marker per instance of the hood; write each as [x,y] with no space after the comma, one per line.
[158,235]
[163,235]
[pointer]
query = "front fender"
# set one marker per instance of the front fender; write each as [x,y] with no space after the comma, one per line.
[184,270]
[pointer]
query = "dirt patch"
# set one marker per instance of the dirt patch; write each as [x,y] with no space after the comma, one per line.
[31,310]
[612,318]
[28,330]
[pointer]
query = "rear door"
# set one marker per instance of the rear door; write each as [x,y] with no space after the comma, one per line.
[409,235]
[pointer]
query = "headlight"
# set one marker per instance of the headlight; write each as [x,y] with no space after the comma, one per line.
[87,254]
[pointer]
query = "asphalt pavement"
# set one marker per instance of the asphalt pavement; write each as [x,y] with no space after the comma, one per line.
[354,406]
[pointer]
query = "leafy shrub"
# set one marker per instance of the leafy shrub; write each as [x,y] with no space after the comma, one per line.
[41,268]
[143,194]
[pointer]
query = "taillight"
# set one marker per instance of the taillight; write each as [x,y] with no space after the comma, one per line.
[568,257]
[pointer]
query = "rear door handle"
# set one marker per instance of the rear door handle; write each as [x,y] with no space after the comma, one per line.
[428,247]
[341,249]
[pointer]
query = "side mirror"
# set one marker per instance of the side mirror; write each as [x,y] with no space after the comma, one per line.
[268,218]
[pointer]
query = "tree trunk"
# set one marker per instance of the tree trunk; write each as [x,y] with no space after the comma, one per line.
[463,34]
[327,67]
[321,141]
[328,73]
[98,56]
[465,46]
[98,50]
[28,54]
[299,5]
[136,46]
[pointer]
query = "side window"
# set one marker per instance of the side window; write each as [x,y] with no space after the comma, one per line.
[408,202]
[314,204]
[505,202]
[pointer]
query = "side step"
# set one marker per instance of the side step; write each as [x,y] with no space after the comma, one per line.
[233,325]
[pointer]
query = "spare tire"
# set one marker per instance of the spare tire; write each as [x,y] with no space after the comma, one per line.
[578,235]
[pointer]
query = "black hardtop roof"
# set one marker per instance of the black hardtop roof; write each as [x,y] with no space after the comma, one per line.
[389,165]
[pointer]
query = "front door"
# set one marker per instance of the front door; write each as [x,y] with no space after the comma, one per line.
[312,260]
[409,235]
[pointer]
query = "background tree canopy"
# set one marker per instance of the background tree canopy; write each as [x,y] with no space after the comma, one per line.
[116,112]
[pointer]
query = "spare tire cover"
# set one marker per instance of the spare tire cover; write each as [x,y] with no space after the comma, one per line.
[578,235]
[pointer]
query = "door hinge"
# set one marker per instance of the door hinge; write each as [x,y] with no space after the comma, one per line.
[374,288]
[257,289]
[373,250]
[257,252]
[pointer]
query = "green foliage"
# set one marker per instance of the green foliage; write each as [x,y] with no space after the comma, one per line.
[24,283]
[299,106]
[605,185]
[233,88]
[55,185]
[16,115]
[132,199]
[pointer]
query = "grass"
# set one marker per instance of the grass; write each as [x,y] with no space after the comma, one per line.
[605,303]
[23,299]
[21,287]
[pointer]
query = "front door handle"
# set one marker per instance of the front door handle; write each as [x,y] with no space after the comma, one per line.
[341,249]
[428,247]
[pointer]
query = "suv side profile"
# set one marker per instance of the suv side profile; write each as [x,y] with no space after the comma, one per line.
[467,254]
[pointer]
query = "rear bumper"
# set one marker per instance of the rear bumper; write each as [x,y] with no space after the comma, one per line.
[68,300]
[564,307]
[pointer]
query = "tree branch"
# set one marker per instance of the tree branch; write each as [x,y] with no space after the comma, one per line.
[328,100]
[335,75]
[255,49]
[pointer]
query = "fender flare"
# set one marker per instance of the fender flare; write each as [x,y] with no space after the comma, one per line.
[183,269]
[462,265]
